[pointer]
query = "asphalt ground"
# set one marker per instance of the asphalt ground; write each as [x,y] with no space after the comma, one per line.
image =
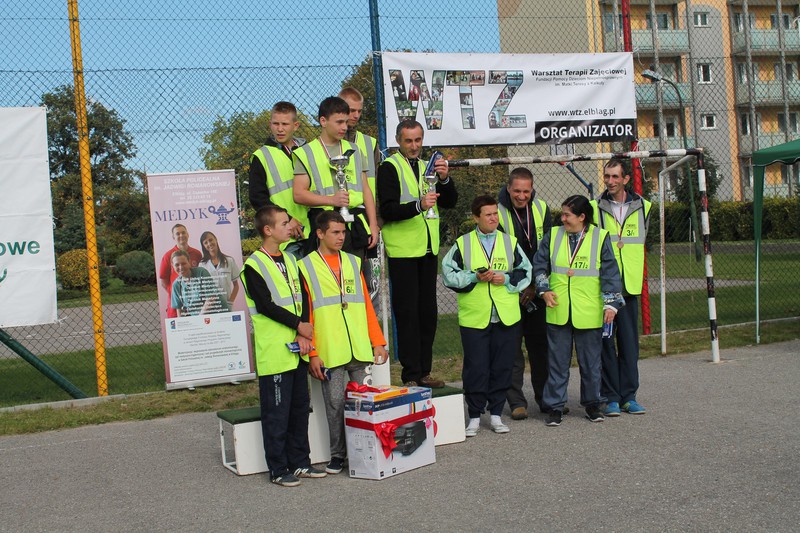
[717,451]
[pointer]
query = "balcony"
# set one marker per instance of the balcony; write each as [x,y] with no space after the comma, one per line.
[765,93]
[670,42]
[765,42]
[765,140]
[673,143]
[646,95]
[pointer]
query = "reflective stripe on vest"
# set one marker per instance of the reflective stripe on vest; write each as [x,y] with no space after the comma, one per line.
[367,146]
[407,238]
[321,172]
[272,355]
[339,334]
[475,306]
[630,258]
[539,208]
[579,297]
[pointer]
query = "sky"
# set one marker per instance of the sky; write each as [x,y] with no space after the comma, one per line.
[171,68]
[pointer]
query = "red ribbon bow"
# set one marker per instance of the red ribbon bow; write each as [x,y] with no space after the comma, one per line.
[353,386]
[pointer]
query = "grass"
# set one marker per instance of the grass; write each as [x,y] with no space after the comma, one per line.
[218,397]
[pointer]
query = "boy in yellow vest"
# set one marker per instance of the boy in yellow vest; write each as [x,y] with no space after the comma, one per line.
[347,336]
[279,308]
[487,269]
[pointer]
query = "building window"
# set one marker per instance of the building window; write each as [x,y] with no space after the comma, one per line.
[704,73]
[608,22]
[708,122]
[773,21]
[744,123]
[790,72]
[738,21]
[663,20]
[741,72]
[701,19]
[671,127]
[792,122]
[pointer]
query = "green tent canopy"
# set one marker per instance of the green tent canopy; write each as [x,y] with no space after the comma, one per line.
[788,154]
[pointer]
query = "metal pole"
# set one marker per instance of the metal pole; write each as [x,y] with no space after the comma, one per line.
[41,366]
[88,201]
[712,301]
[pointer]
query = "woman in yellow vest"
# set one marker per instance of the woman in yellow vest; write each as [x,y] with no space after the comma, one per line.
[577,276]
[487,269]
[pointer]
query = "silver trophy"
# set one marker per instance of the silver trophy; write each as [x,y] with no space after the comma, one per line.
[340,162]
[431,179]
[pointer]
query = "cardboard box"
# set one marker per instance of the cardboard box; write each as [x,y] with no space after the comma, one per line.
[372,426]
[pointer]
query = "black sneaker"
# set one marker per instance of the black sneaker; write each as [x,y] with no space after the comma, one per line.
[286,480]
[554,418]
[595,413]
[335,466]
[309,471]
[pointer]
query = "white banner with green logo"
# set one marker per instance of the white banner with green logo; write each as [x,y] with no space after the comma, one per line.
[27,256]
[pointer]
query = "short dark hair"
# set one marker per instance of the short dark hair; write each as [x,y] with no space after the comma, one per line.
[408,124]
[520,173]
[176,226]
[617,162]
[481,201]
[331,106]
[178,253]
[324,219]
[266,217]
[284,107]
[580,205]
[352,93]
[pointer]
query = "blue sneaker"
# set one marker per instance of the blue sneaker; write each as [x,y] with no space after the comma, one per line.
[612,409]
[633,408]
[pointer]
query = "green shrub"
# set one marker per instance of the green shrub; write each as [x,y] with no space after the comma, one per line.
[136,268]
[780,218]
[73,273]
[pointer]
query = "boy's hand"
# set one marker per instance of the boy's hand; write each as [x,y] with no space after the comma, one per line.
[305,345]
[486,276]
[315,365]
[340,199]
[550,298]
[380,355]
[306,330]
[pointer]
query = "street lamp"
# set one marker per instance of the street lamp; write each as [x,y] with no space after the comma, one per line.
[655,77]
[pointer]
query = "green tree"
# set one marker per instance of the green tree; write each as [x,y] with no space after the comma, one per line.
[233,140]
[114,184]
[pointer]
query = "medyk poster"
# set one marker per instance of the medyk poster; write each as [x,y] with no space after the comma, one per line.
[474,99]
[197,249]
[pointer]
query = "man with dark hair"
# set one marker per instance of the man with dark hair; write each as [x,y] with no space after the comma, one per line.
[272,173]
[487,269]
[412,245]
[626,216]
[279,309]
[315,187]
[526,217]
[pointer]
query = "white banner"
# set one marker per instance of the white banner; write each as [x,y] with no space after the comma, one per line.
[472,99]
[198,255]
[27,254]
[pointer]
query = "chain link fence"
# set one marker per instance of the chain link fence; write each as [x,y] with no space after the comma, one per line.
[182,86]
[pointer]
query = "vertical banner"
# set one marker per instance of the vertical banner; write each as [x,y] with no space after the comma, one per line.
[27,253]
[198,257]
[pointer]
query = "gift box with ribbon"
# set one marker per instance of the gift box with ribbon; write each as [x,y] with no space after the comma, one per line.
[389,430]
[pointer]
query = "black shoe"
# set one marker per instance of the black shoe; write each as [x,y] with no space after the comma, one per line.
[595,413]
[335,465]
[286,480]
[309,471]
[554,418]
[564,410]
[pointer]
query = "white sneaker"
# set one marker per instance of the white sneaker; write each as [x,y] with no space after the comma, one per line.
[498,426]
[473,427]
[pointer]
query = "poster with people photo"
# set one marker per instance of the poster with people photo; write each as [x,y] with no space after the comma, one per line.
[195,221]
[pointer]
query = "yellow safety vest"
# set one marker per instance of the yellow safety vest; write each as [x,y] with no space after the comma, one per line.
[475,306]
[579,295]
[631,233]
[507,223]
[272,355]
[367,145]
[340,334]
[280,176]
[407,238]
